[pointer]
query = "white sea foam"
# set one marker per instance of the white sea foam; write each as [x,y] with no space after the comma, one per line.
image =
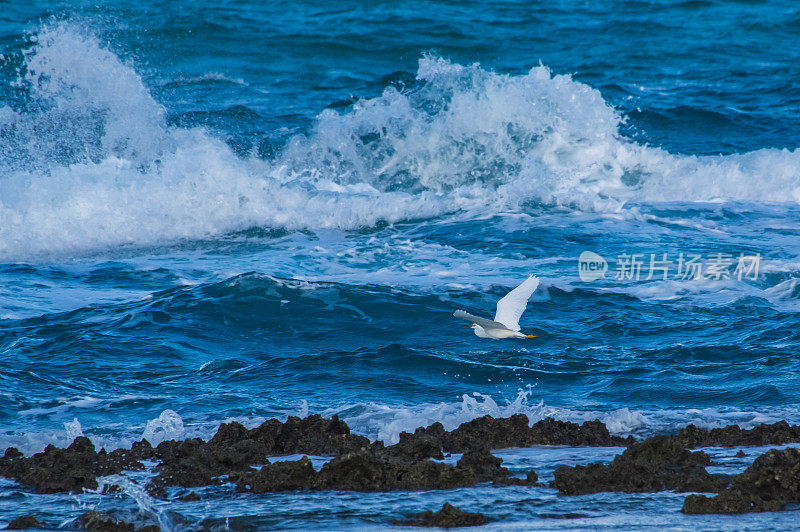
[167,426]
[73,429]
[385,422]
[95,165]
[146,505]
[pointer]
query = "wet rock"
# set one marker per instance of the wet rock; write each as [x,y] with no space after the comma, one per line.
[514,432]
[65,470]
[483,464]
[726,502]
[24,522]
[424,443]
[234,448]
[489,432]
[591,434]
[100,522]
[449,516]
[192,462]
[768,485]
[12,453]
[373,470]
[734,436]
[740,454]
[141,450]
[370,471]
[312,435]
[656,464]
[280,476]
[531,479]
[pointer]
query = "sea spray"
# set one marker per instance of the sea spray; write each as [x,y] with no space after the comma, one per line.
[93,164]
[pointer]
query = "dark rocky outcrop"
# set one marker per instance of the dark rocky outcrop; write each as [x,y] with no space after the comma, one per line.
[373,470]
[65,470]
[311,435]
[100,522]
[768,485]
[188,463]
[488,432]
[24,522]
[531,479]
[656,464]
[483,464]
[448,517]
[234,448]
[370,471]
[734,436]
[280,476]
[423,443]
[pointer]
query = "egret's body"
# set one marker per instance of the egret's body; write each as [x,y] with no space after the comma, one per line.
[509,310]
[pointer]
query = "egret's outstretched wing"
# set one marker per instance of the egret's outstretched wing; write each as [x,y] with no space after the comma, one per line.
[483,322]
[511,307]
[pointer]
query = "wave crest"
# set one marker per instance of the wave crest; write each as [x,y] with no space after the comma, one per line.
[91,163]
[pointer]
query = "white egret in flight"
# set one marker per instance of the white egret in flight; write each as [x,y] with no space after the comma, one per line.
[506,320]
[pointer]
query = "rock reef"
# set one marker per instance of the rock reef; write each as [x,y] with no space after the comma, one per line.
[99,522]
[24,522]
[373,470]
[734,436]
[234,454]
[234,449]
[768,485]
[656,464]
[448,517]
[508,432]
[57,470]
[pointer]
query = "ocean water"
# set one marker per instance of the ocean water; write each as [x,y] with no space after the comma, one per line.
[233,210]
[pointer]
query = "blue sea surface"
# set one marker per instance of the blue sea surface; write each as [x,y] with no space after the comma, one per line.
[215,211]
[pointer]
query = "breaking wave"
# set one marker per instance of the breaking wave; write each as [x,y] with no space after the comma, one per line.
[89,160]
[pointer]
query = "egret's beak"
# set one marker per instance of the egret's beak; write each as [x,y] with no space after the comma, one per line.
[467,326]
[531,336]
